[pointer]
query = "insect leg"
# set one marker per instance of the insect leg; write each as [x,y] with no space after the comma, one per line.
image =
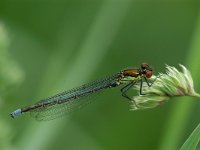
[151,83]
[141,86]
[126,88]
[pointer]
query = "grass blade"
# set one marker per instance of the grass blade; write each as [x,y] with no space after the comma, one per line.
[193,140]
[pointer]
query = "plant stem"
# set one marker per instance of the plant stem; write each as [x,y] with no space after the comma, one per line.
[180,113]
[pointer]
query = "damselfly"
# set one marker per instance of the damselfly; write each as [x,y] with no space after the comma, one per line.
[57,105]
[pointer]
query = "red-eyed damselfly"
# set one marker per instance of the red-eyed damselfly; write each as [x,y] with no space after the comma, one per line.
[62,103]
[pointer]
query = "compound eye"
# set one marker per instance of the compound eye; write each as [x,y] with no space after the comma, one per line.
[144,65]
[149,74]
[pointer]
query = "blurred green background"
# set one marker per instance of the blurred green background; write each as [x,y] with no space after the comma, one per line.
[50,46]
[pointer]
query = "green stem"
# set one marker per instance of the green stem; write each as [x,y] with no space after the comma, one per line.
[181,111]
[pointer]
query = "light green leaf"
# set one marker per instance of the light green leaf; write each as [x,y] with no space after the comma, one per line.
[193,140]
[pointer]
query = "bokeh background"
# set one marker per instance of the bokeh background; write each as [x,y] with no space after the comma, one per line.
[50,46]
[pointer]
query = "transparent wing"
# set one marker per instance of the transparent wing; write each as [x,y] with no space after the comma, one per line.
[59,110]
[66,102]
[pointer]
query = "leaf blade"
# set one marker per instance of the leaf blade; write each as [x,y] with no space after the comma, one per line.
[193,140]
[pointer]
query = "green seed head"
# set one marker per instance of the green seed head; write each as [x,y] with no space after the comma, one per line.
[173,83]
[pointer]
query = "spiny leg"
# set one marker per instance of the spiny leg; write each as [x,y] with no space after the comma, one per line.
[151,83]
[141,82]
[148,83]
[125,89]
